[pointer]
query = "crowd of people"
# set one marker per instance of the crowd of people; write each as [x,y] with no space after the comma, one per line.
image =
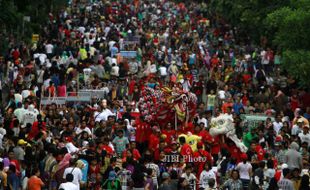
[106,144]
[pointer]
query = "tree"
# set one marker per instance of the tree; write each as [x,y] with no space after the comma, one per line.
[247,15]
[291,29]
[285,23]
[12,13]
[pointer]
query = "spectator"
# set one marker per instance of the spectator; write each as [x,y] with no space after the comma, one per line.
[245,170]
[34,182]
[304,184]
[206,176]
[286,183]
[75,171]
[69,185]
[234,182]
[293,158]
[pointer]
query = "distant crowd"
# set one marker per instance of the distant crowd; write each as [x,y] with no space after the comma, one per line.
[107,143]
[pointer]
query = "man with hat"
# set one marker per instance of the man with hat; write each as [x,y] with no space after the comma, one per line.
[174,152]
[305,135]
[166,183]
[19,149]
[297,128]
[279,151]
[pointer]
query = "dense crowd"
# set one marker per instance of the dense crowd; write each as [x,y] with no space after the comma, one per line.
[107,144]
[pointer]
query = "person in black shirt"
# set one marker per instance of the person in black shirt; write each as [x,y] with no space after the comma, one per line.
[211,85]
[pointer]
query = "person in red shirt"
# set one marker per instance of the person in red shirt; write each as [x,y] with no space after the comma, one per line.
[131,88]
[173,149]
[226,107]
[37,127]
[214,61]
[14,162]
[15,54]
[185,150]
[62,90]
[35,182]
[203,133]
[260,152]
[161,149]
[105,146]
[216,147]
[201,157]
[94,172]
[169,133]
[143,132]
[154,139]
[135,152]
[51,89]
[246,78]
[233,150]
[294,102]
[189,128]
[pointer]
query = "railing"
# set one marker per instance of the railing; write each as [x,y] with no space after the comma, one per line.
[80,96]
[128,54]
[132,40]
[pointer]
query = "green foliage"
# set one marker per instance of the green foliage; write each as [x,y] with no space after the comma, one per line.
[12,13]
[285,23]
[291,29]
[247,15]
[9,17]
[297,63]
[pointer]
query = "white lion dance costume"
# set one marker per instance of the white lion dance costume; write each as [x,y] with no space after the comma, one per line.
[224,125]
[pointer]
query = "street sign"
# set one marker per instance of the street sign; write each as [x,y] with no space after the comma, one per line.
[35,38]
[129,54]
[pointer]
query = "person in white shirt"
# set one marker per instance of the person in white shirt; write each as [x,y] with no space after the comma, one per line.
[206,175]
[87,73]
[29,116]
[173,69]
[49,50]
[153,69]
[70,146]
[190,177]
[202,119]
[305,135]
[163,71]
[105,113]
[245,171]
[186,85]
[25,93]
[75,171]
[277,125]
[68,185]
[115,70]
[297,128]
[20,111]
[133,67]
[221,94]
[82,128]
[82,29]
